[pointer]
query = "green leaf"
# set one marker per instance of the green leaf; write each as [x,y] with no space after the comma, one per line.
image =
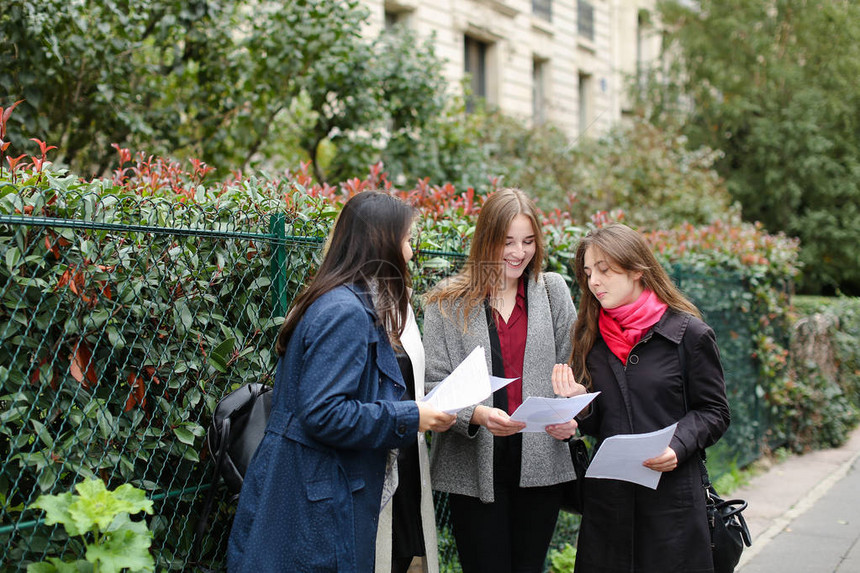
[41,568]
[220,355]
[56,509]
[47,478]
[56,565]
[186,318]
[126,546]
[13,255]
[134,500]
[42,433]
[184,435]
[95,506]
[191,455]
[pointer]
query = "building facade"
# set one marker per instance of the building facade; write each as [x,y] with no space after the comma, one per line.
[566,62]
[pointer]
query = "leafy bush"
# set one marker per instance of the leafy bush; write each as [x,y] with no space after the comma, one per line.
[110,540]
[640,169]
[130,304]
[820,404]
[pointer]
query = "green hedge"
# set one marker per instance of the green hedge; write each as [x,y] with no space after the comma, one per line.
[130,305]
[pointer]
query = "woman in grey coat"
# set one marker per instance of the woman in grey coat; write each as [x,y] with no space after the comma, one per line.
[504,486]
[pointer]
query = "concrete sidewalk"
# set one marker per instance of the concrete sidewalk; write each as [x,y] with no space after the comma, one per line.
[804,514]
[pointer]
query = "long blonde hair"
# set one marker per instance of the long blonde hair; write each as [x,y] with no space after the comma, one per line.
[482,273]
[626,251]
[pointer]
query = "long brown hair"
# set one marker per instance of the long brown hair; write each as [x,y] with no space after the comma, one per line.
[480,276]
[626,251]
[365,247]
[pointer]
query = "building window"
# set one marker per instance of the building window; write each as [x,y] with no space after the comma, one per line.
[585,19]
[476,68]
[642,22]
[393,20]
[542,8]
[539,92]
[586,113]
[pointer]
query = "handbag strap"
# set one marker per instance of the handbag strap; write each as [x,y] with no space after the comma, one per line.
[682,358]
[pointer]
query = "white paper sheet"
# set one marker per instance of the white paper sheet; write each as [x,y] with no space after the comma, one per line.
[620,457]
[538,412]
[497,383]
[470,383]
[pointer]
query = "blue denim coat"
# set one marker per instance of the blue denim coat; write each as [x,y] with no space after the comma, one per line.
[310,500]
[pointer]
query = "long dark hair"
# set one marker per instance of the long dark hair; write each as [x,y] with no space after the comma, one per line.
[626,251]
[365,247]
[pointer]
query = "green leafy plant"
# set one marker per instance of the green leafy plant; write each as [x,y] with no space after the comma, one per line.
[112,541]
[564,559]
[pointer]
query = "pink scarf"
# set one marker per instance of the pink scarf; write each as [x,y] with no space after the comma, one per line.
[622,327]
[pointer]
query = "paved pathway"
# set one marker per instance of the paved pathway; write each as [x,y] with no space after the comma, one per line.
[804,514]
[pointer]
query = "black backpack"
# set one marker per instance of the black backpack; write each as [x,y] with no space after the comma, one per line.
[237,428]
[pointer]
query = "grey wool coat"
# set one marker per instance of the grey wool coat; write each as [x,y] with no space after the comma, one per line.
[461,459]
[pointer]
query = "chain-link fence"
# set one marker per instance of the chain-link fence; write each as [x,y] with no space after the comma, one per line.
[123,320]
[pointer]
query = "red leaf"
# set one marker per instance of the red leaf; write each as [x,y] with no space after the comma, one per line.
[8,111]
[82,367]
[52,246]
[137,394]
[34,377]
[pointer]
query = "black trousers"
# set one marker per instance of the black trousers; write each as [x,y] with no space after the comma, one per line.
[512,534]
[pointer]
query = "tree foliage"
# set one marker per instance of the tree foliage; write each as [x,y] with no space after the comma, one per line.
[649,173]
[773,86]
[239,85]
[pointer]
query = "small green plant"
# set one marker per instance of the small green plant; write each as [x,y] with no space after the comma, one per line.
[101,517]
[563,560]
[731,479]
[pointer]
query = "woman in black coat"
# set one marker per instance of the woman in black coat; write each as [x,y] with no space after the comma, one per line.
[644,347]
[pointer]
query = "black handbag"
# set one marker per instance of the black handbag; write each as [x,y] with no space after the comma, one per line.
[574,491]
[729,531]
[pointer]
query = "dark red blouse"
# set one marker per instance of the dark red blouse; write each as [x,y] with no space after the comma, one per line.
[512,339]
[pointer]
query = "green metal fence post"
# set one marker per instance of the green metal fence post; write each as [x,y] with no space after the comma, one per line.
[278,265]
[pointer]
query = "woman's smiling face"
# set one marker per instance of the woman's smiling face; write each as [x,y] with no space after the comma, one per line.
[519,248]
[613,288]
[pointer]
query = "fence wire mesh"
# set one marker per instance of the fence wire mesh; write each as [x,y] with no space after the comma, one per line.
[123,320]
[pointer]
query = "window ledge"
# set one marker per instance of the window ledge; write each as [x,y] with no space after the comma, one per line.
[586,44]
[502,7]
[543,25]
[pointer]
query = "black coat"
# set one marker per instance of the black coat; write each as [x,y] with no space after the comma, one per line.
[627,527]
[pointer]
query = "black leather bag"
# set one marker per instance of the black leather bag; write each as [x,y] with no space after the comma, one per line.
[729,532]
[574,491]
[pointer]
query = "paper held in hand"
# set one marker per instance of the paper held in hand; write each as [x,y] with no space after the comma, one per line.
[470,383]
[620,457]
[539,412]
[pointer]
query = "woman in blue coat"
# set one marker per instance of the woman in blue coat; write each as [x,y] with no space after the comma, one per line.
[311,496]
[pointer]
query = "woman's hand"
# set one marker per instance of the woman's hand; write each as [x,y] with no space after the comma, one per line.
[665,462]
[563,382]
[496,421]
[562,431]
[429,418]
